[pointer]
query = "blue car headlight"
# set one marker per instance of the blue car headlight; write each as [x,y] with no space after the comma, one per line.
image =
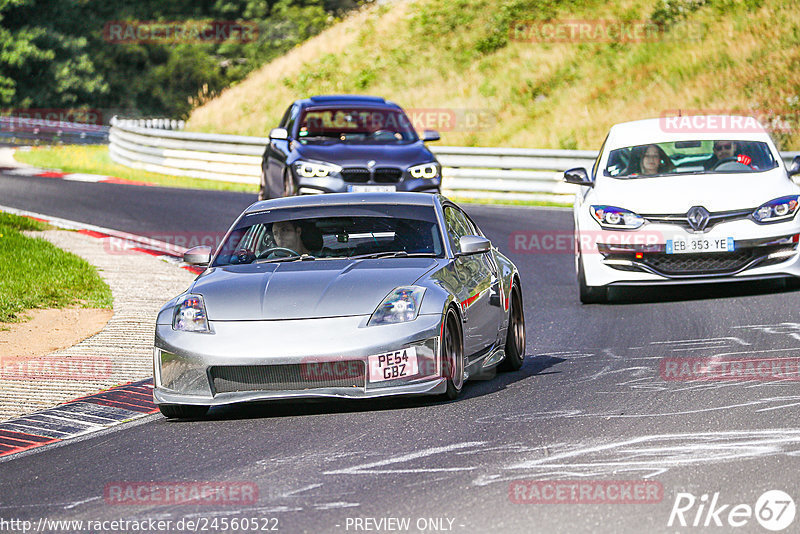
[399,306]
[780,209]
[616,218]
[426,170]
[190,314]
[309,169]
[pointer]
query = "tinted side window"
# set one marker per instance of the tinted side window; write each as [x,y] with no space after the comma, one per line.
[293,113]
[285,118]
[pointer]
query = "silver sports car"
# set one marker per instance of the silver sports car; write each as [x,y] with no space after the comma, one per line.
[341,295]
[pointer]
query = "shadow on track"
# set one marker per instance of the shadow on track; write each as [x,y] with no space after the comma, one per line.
[654,294]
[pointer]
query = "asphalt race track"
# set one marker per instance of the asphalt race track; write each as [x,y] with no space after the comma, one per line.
[592,403]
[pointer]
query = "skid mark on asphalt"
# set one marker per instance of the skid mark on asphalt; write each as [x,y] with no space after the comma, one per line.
[525,418]
[652,455]
[637,369]
[379,467]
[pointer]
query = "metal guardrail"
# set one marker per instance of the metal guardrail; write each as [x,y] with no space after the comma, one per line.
[471,172]
[29,131]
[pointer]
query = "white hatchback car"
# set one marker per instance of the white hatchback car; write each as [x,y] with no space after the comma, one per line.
[672,205]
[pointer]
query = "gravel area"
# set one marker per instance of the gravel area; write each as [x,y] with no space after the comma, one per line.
[121,352]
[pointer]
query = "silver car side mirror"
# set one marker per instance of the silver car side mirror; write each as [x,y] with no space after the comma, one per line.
[198,255]
[473,244]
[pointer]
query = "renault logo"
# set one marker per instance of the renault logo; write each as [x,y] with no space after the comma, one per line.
[698,218]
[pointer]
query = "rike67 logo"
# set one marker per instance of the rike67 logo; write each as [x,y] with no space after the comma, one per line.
[774,510]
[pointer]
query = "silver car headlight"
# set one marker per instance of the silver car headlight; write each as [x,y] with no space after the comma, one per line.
[426,170]
[308,169]
[190,314]
[399,306]
[780,209]
[614,218]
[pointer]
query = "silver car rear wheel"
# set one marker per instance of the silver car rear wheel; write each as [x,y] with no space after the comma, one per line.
[515,338]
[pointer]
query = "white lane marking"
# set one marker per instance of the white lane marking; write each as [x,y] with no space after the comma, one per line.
[81,177]
[58,418]
[368,469]
[701,341]
[25,171]
[73,505]
[301,490]
[335,505]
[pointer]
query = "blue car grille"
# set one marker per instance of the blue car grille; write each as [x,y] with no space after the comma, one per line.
[356,175]
[380,175]
[387,175]
[288,377]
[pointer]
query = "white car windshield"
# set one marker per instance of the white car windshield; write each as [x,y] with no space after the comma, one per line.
[689,157]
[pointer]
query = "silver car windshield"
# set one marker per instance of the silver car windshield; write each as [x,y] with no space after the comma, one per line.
[689,157]
[330,238]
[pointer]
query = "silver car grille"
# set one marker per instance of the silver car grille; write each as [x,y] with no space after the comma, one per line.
[288,377]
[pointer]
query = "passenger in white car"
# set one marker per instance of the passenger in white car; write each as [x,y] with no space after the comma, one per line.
[649,160]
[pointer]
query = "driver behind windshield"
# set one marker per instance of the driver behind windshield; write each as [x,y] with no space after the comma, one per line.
[722,150]
[297,236]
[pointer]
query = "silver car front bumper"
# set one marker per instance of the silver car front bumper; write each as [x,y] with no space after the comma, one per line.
[243,361]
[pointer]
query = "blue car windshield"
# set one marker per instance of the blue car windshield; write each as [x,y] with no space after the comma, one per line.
[295,237]
[690,157]
[357,125]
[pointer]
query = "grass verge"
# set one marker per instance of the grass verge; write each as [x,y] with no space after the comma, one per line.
[96,160]
[503,202]
[37,274]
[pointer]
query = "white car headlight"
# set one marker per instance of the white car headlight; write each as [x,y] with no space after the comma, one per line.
[399,306]
[190,314]
[780,209]
[616,218]
[307,169]
[426,170]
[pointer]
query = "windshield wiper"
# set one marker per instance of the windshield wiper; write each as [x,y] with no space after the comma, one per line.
[393,254]
[302,257]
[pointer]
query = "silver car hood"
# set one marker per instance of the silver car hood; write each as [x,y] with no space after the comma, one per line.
[304,289]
